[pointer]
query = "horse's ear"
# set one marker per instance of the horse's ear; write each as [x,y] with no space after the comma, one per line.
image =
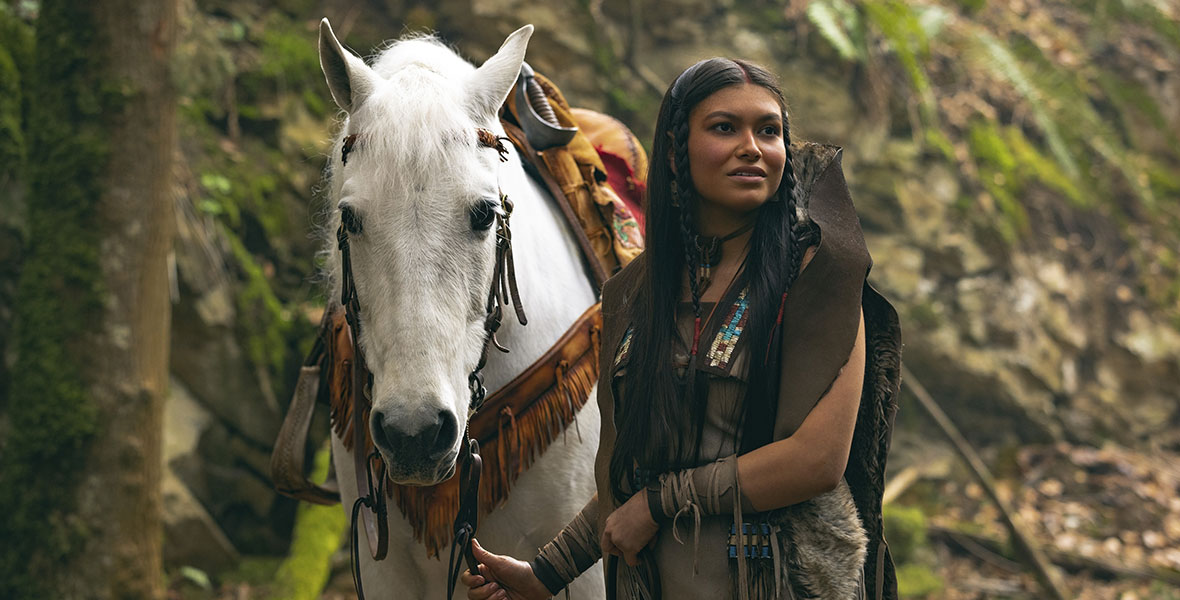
[349,79]
[492,81]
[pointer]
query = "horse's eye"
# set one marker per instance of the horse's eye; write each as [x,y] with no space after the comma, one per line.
[350,220]
[482,215]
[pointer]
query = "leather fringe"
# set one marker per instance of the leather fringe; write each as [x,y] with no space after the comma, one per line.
[507,450]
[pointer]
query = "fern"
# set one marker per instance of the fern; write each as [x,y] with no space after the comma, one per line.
[984,51]
[903,32]
[835,19]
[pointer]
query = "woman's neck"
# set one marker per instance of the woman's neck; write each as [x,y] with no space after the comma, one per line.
[713,221]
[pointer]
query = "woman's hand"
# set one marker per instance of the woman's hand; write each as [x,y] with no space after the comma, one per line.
[629,529]
[502,578]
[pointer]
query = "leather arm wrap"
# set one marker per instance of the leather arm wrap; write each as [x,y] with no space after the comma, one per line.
[573,551]
[709,489]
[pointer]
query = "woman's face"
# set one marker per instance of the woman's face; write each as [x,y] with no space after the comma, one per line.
[736,154]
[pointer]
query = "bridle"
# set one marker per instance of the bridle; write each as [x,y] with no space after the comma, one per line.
[370,505]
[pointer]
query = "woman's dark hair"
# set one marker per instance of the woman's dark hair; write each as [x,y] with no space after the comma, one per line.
[659,420]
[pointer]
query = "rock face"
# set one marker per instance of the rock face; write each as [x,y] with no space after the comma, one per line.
[191,535]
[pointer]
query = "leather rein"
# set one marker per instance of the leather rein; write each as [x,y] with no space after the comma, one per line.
[370,507]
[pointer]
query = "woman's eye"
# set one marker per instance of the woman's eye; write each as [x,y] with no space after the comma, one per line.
[350,220]
[723,127]
[770,130]
[482,215]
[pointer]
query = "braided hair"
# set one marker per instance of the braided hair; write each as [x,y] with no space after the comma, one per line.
[659,419]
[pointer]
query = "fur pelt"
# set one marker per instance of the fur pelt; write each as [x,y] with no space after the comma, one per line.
[824,544]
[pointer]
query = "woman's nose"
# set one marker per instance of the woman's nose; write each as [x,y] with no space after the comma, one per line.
[748,149]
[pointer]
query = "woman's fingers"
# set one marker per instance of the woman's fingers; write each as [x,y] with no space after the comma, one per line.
[483,592]
[631,558]
[469,580]
[608,546]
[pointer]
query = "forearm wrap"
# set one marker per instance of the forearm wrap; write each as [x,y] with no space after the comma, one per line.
[709,489]
[573,551]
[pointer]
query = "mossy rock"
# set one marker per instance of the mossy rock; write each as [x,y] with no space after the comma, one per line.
[318,533]
[917,581]
[905,528]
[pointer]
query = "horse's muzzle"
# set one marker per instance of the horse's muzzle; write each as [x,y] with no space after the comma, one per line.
[419,444]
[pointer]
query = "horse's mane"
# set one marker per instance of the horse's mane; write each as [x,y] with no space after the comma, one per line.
[427,82]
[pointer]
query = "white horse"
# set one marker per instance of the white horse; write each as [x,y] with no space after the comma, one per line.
[415,188]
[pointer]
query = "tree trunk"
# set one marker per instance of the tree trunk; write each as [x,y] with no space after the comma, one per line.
[82,459]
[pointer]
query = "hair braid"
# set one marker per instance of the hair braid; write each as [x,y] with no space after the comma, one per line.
[787,190]
[687,201]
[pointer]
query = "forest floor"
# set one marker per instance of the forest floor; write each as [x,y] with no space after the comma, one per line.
[1108,517]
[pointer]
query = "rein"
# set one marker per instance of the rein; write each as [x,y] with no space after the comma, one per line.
[370,505]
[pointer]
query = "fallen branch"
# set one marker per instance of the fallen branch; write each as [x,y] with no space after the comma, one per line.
[898,484]
[1046,575]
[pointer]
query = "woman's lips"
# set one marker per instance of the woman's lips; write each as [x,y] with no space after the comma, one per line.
[747,174]
[747,177]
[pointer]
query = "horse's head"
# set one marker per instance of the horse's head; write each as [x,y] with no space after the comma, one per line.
[418,197]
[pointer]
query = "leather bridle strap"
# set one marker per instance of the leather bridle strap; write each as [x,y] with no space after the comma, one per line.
[503,289]
[467,520]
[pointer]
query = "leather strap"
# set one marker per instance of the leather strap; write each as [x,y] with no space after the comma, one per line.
[287,460]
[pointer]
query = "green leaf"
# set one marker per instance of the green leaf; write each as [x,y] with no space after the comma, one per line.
[830,23]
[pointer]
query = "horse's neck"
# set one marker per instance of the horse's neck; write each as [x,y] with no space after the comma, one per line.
[554,286]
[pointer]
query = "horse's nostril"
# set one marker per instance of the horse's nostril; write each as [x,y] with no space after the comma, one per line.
[381,436]
[408,437]
[447,430]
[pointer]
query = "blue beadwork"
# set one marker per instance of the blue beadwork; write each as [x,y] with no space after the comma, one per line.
[721,350]
[757,537]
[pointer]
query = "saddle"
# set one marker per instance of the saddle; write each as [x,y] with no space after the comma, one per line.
[595,169]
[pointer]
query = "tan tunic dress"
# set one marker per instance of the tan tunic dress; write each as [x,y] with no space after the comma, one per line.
[701,567]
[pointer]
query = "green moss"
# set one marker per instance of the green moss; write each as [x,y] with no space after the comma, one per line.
[999,173]
[924,314]
[256,571]
[16,45]
[264,325]
[318,533]
[917,581]
[905,528]
[51,418]
[971,6]
[1032,164]
[12,141]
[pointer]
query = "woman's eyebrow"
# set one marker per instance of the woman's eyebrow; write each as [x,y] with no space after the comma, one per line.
[728,115]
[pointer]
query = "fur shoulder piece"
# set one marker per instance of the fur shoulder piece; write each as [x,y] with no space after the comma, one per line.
[809,160]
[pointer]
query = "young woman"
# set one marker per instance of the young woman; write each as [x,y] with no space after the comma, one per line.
[750,370]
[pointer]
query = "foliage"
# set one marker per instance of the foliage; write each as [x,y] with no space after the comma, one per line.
[1054,96]
[917,581]
[905,528]
[51,418]
[15,48]
[246,78]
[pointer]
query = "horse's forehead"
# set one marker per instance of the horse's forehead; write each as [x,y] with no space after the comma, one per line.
[426,53]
